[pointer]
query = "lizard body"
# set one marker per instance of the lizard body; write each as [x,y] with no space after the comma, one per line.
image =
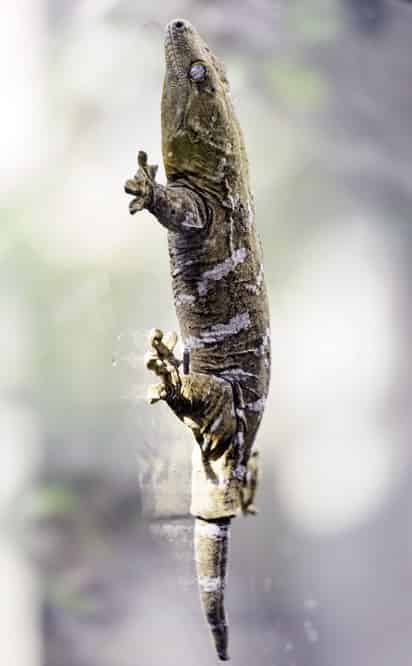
[220,298]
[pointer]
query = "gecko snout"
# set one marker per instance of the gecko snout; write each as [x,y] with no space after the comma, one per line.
[179,24]
[178,27]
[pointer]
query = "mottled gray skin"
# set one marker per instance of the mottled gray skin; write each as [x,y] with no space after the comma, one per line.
[219,292]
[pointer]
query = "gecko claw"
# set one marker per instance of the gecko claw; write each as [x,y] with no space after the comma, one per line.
[155,335]
[156,364]
[142,159]
[131,187]
[135,206]
[149,169]
[155,393]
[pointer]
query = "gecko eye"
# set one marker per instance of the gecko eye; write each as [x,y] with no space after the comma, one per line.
[197,72]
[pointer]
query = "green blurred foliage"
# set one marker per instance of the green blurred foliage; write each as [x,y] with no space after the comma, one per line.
[51,501]
[297,85]
[316,22]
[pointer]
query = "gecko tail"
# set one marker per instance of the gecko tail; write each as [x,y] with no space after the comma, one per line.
[211,541]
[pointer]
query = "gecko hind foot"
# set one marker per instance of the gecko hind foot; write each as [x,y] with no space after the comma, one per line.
[162,361]
[203,402]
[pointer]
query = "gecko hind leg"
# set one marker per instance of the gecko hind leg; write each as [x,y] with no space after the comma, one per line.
[203,402]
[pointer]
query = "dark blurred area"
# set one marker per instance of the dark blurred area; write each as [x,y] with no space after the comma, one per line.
[96,547]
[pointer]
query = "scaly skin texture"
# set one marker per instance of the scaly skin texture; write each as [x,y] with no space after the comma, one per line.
[220,298]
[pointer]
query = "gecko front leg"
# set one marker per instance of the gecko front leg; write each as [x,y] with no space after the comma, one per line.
[176,208]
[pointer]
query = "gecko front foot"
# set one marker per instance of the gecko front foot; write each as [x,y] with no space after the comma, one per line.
[141,185]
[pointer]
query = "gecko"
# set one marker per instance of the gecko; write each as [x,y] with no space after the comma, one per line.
[220,387]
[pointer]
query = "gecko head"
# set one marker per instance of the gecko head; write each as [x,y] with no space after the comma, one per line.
[201,138]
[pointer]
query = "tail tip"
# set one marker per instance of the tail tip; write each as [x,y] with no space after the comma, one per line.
[223,656]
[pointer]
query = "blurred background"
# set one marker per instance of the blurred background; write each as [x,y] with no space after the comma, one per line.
[96,547]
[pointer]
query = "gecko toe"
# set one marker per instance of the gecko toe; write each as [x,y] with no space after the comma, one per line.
[131,187]
[155,393]
[155,336]
[142,159]
[135,205]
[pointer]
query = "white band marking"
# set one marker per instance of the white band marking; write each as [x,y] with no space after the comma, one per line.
[210,583]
